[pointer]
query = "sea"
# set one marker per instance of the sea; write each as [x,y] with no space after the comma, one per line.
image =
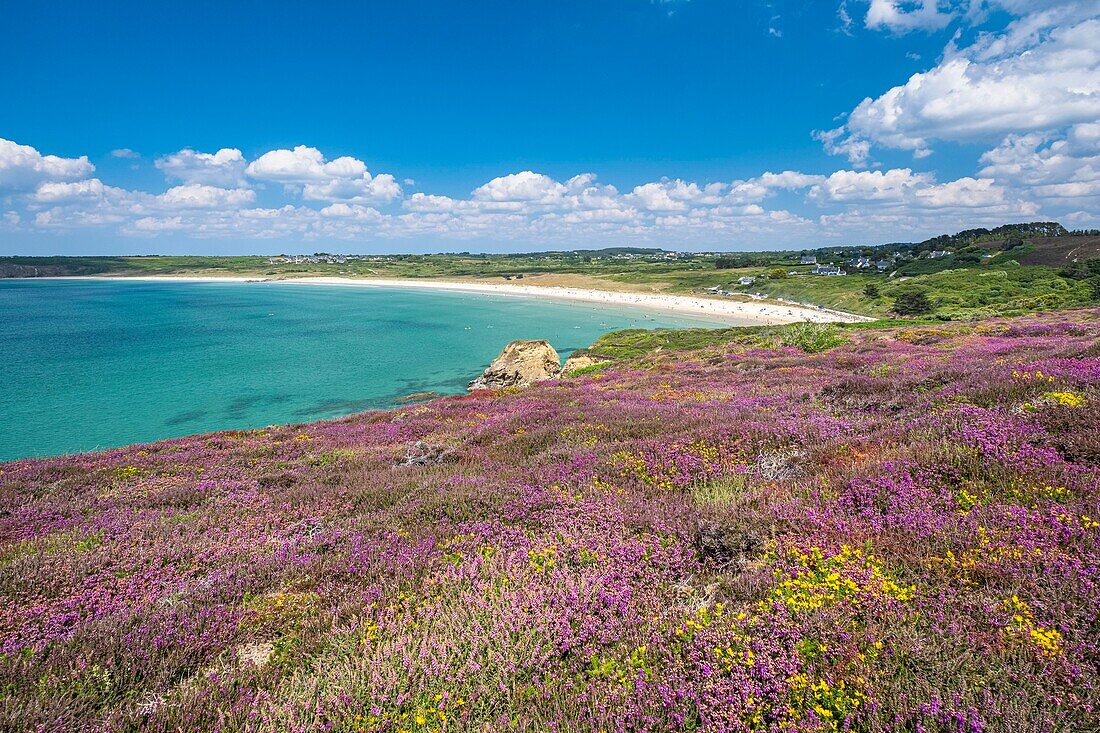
[89,364]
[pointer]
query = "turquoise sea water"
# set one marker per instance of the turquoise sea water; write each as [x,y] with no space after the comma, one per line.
[87,364]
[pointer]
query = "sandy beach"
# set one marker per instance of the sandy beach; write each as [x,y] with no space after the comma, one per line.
[726,310]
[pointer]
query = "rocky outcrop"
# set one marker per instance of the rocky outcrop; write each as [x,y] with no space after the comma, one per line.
[521,364]
[581,359]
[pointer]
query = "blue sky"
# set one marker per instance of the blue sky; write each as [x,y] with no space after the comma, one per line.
[431,126]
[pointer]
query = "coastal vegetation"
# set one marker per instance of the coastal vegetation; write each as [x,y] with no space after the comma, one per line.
[885,526]
[1009,270]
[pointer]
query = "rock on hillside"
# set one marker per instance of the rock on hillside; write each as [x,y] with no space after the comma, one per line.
[521,364]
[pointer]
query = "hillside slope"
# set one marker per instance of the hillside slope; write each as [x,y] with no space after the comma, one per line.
[899,532]
[1055,251]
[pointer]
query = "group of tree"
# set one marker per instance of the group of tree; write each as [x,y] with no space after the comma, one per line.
[748,259]
[1086,270]
[912,303]
[1011,234]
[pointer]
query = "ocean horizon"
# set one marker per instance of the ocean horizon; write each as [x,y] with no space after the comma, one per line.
[95,364]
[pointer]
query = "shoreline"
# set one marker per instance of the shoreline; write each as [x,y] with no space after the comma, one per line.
[733,312]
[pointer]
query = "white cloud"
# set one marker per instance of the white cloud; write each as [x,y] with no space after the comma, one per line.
[223,168]
[1064,166]
[200,196]
[1037,75]
[22,167]
[154,224]
[845,18]
[429,203]
[525,186]
[343,179]
[124,153]
[837,142]
[902,17]
[533,206]
[341,200]
[964,192]
[864,186]
[757,189]
[789,180]
[57,192]
[676,194]
[353,211]
[302,165]
[381,188]
[903,191]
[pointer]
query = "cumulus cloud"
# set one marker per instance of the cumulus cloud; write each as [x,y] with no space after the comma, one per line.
[22,167]
[351,211]
[223,168]
[964,192]
[340,200]
[161,224]
[381,188]
[839,142]
[1063,166]
[676,194]
[525,186]
[789,180]
[533,205]
[430,203]
[903,190]
[303,164]
[1041,73]
[863,186]
[201,196]
[57,192]
[902,17]
[342,179]
[124,153]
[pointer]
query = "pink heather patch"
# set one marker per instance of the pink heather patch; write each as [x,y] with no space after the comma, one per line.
[899,533]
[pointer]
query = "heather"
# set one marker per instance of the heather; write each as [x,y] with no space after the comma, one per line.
[776,530]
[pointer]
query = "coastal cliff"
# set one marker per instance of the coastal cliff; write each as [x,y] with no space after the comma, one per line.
[523,363]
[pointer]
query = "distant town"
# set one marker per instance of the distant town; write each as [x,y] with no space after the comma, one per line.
[831,263]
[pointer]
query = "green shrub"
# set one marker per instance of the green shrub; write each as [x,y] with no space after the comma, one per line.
[912,303]
[812,338]
[590,369]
